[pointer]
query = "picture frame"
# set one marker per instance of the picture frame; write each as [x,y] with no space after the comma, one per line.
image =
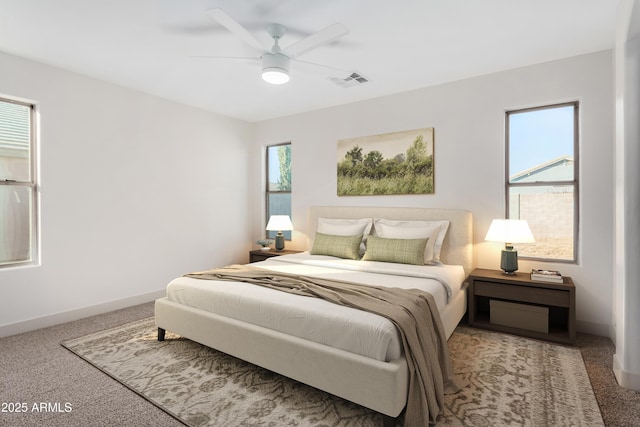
[386,164]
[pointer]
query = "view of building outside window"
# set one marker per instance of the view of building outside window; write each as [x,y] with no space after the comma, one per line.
[278,184]
[542,179]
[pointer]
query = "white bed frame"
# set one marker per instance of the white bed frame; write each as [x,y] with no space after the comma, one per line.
[381,386]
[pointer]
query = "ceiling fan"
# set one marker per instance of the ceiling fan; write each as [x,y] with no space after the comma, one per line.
[275,60]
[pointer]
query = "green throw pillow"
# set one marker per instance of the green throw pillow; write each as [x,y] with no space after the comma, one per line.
[401,251]
[338,246]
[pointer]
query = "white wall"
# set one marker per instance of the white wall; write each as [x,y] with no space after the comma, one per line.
[626,317]
[468,117]
[136,190]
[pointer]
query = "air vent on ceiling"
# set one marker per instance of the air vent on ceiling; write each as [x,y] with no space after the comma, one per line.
[354,79]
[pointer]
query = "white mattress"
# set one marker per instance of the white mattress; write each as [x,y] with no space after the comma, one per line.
[314,319]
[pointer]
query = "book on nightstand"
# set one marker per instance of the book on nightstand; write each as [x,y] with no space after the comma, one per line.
[551,276]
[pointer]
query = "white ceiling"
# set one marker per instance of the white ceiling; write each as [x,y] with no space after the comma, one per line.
[149,45]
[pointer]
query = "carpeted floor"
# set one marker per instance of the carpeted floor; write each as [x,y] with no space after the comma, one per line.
[35,369]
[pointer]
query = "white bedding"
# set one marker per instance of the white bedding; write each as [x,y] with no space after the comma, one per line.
[314,319]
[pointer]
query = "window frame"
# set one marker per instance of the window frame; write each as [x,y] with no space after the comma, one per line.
[268,191]
[575,183]
[32,184]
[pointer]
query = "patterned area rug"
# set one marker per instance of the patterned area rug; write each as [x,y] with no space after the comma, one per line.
[513,381]
[517,381]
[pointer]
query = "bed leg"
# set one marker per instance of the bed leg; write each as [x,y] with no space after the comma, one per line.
[161,334]
[388,421]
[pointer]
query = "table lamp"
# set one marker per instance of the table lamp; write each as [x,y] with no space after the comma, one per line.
[509,231]
[279,223]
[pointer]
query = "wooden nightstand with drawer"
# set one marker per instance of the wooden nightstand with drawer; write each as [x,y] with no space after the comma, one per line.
[518,305]
[258,255]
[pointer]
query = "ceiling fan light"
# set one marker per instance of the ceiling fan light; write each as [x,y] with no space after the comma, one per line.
[275,68]
[275,76]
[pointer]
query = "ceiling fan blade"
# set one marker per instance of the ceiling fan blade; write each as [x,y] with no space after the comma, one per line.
[227,58]
[327,35]
[324,70]
[235,28]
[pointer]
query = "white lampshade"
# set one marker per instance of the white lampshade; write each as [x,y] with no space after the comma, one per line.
[279,223]
[509,231]
[275,68]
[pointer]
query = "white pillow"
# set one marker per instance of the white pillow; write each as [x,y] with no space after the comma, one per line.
[346,227]
[435,231]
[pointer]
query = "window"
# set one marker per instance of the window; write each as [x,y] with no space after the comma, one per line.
[18,188]
[542,178]
[278,184]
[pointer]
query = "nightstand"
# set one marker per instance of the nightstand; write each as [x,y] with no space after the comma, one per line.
[518,305]
[258,255]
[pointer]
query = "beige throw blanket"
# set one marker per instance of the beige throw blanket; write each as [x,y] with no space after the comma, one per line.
[413,312]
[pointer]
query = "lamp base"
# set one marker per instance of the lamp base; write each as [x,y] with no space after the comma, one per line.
[279,241]
[509,260]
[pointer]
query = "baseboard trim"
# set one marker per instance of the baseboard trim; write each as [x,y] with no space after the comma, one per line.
[627,380]
[76,314]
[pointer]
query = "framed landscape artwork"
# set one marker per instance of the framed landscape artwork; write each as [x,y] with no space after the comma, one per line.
[391,163]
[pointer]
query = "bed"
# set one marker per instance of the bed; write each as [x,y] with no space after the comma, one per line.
[374,377]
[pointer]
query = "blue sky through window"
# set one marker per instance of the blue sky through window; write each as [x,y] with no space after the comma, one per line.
[538,136]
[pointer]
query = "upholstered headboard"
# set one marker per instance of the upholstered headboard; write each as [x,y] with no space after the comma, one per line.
[457,248]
